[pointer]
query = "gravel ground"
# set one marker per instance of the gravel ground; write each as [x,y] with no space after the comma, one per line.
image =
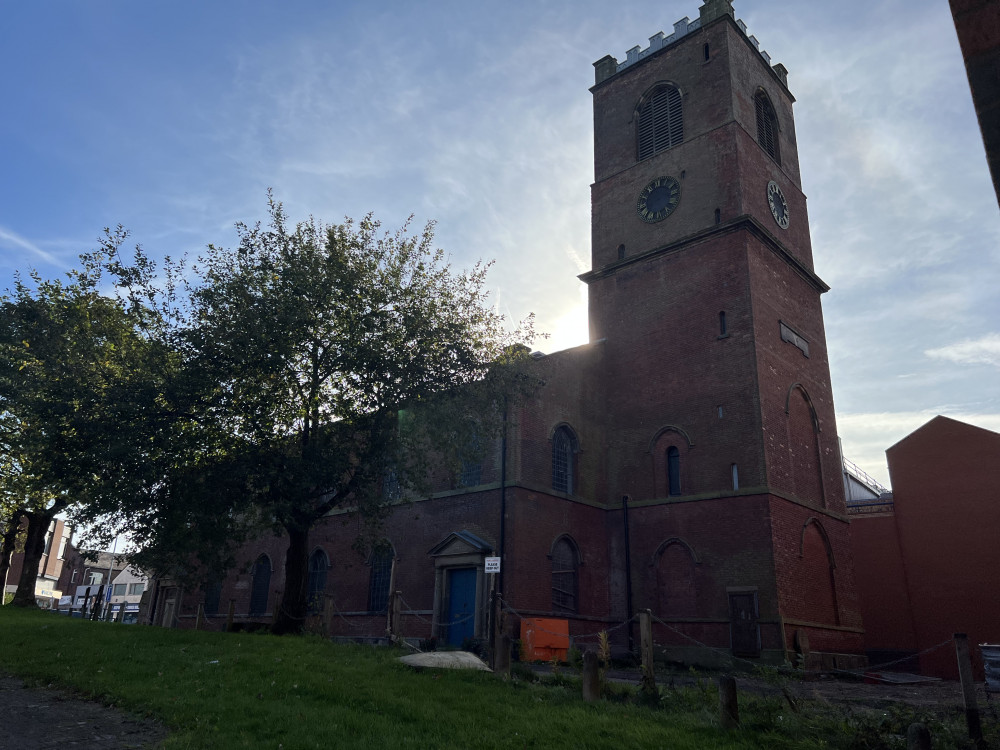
[46,718]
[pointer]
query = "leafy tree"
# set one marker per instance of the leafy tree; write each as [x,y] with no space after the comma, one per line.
[62,345]
[318,361]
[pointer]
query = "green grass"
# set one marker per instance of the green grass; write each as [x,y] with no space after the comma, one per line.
[215,690]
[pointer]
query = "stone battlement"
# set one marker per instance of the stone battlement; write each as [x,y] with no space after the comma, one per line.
[712,9]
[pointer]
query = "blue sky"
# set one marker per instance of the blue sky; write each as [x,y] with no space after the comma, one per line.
[174,118]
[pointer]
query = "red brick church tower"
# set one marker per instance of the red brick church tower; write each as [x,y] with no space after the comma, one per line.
[720,424]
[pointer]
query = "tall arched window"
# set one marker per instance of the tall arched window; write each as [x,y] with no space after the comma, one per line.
[565,567]
[319,563]
[261,585]
[767,126]
[660,121]
[673,471]
[379,582]
[563,453]
[213,595]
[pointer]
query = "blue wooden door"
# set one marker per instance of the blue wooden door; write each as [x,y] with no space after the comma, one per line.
[461,605]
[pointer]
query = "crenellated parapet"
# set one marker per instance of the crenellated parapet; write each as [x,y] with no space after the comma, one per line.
[608,65]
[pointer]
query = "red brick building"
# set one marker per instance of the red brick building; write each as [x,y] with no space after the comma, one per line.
[53,568]
[686,459]
[930,557]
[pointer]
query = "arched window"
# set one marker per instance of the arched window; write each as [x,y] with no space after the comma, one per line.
[676,579]
[213,595]
[565,567]
[660,124]
[673,471]
[563,453]
[723,330]
[261,585]
[767,126]
[319,563]
[378,583]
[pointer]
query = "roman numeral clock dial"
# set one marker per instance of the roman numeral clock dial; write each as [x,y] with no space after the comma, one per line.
[778,204]
[658,199]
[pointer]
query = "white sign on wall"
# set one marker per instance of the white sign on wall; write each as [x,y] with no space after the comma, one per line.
[492,564]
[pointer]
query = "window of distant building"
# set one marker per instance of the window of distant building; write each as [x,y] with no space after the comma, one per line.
[767,126]
[319,563]
[563,464]
[565,570]
[379,581]
[119,589]
[660,124]
[136,588]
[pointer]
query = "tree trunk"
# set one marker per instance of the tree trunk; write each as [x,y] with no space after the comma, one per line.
[7,543]
[34,546]
[291,614]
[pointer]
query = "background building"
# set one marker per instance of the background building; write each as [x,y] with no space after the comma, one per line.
[51,581]
[928,554]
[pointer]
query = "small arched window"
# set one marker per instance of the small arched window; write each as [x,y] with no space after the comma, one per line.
[319,563]
[379,582]
[261,585]
[563,453]
[660,121]
[565,569]
[673,471]
[767,126]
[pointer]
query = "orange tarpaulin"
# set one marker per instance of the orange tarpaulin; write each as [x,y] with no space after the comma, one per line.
[544,639]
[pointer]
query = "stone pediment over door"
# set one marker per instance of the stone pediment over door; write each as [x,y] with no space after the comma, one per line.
[461,543]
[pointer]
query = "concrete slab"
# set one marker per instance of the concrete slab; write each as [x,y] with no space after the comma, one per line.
[445,660]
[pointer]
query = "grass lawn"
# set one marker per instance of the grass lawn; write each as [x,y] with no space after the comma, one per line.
[216,690]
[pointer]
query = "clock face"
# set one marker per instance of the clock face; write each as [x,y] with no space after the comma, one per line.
[779,206]
[658,199]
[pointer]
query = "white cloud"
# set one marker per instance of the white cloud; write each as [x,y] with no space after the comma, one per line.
[11,239]
[981,351]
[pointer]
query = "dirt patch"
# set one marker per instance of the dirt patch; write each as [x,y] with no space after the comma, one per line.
[47,718]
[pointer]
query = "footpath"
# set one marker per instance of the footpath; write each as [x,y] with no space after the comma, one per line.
[50,719]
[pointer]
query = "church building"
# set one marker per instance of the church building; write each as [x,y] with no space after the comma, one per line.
[686,459]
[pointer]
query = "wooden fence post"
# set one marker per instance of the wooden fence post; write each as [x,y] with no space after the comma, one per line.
[729,708]
[229,617]
[395,611]
[327,615]
[918,737]
[501,659]
[199,621]
[968,687]
[646,648]
[591,677]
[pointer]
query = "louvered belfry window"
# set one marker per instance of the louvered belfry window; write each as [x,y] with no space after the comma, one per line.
[660,122]
[767,126]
